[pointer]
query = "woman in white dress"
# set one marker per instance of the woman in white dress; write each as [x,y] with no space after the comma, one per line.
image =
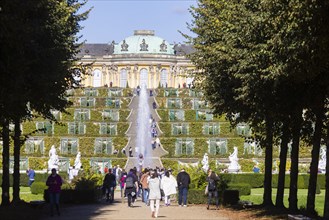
[169,185]
[155,194]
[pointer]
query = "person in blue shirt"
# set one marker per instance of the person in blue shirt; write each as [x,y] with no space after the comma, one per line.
[31,174]
[256,169]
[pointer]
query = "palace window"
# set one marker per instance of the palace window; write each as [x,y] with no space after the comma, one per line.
[164,78]
[199,104]
[87,102]
[108,128]
[195,93]
[103,146]
[81,114]
[76,128]
[123,78]
[34,145]
[114,92]
[90,92]
[174,103]
[176,115]
[243,129]
[184,146]
[69,146]
[217,146]
[113,102]
[179,128]
[45,127]
[204,115]
[170,93]
[211,128]
[111,114]
[252,148]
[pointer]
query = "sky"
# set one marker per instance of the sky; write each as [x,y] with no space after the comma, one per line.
[117,19]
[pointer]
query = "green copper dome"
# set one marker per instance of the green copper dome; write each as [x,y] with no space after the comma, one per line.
[143,42]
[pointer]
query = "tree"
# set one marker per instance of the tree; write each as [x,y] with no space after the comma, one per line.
[41,38]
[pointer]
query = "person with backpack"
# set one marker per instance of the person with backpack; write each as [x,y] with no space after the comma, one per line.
[131,187]
[109,185]
[212,180]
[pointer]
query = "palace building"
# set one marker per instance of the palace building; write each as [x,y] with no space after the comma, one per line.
[141,59]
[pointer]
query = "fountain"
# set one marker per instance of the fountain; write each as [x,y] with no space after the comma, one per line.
[144,139]
[234,166]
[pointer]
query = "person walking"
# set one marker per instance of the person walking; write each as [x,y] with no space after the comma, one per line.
[54,183]
[155,194]
[131,187]
[169,185]
[183,182]
[109,184]
[212,180]
[122,182]
[145,187]
[31,174]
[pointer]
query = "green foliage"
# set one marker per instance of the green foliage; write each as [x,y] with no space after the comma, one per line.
[243,188]
[197,196]
[38,187]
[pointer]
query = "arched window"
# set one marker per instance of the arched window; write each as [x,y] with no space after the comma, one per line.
[143,78]
[164,78]
[97,78]
[123,78]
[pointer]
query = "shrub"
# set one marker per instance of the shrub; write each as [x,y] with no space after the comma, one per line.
[38,187]
[243,188]
[197,196]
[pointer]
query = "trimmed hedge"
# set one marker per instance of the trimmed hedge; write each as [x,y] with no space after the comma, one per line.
[38,187]
[243,188]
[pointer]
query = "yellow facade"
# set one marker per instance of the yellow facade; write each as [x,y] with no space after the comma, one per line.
[133,67]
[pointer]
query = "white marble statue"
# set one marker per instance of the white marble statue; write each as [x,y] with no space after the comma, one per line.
[323,160]
[234,166]
[205,163]
[53,158]
[77,162]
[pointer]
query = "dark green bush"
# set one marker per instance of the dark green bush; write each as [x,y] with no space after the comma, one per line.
[197,196]
[255,180]
[38,187]
[243,188]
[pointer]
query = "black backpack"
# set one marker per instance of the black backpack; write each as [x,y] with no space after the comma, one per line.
[212,185]
[129,182]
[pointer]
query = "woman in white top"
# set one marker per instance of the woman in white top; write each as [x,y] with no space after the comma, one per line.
[155,194]
[169,185]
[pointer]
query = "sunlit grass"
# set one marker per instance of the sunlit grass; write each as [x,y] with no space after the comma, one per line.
[25,194]
[257,198]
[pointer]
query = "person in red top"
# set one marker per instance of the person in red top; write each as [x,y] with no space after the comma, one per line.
[54,183]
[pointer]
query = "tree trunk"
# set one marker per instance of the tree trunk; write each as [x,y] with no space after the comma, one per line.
[310,207]
[17,147]
[326,197]
[293,201]
[282,166]
[267,197]
[5,163]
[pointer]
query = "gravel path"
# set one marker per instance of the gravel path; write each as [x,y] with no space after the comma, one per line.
[120,210]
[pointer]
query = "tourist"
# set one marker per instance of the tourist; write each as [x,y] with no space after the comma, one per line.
[212,180]
[183,182]
[131,187]
[123,151]
[155,194]
[168,184]
[157,141]
[144,184]
[122,181]
[54,183]
[256,169]
[109,185]
[154,104]
[31,174]
[130,151]
[138,90]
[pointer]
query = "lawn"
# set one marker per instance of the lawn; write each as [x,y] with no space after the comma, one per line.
[25,194]
[256,197]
